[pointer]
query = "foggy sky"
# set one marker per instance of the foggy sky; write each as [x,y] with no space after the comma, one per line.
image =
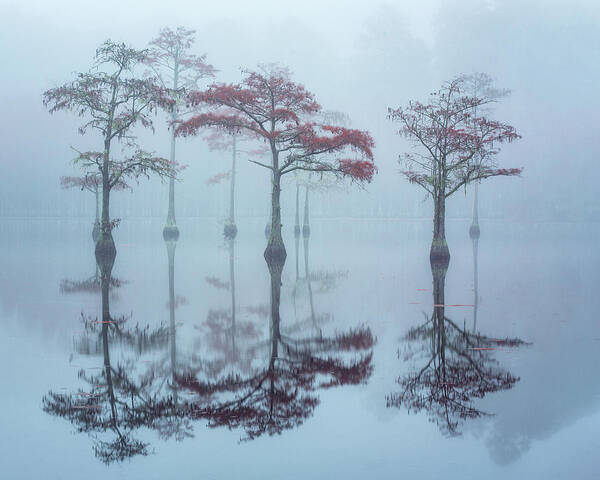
[356,57]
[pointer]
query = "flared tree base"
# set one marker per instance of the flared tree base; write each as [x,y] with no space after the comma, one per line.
[474,231]
[106,253]
[170,233]
[439,267]
[230,231]
[275,256]
[439,252]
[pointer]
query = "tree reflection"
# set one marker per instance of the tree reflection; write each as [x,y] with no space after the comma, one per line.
[459,367]
[474,233]
[281,393]
[226,334]
[118,400]
[91,284]
[313,282]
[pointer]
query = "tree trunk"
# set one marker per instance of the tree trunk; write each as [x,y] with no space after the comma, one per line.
[171,245]
[306,225]
[297,222]
[297,244]
[97,205]
[474,231]
[268,225]
[275,252]
[275,270]
[232,284]
[105,200]
[170,231]
[96,228]
[105,245]
[232,187]
[309,287]
[105,350]
[475,283]
[439,248]
[171,222]
[230,229]
[439,267]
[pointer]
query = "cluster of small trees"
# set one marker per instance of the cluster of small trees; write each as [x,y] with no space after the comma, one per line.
[454,143]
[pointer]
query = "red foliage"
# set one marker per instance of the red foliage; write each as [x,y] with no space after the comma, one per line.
[451,136]
[357,169]
[215,179]
[269,106]
[283,394]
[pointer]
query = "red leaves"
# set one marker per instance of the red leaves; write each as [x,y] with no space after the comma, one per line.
[216,179]
[451,136]
[267,105]
[360,170]
[335,139]
[227,122]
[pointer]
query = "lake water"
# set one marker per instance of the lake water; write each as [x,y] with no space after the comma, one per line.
[331,419]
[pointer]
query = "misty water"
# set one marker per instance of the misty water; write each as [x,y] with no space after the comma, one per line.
[351,291]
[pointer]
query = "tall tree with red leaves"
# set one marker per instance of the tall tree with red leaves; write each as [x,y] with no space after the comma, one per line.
[454,145]
[268,104]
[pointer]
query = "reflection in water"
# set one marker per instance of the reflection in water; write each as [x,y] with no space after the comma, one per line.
[279,392]
[122,398]
[91,284]
[474,233]
[259,386]
[319,282]
[459,366]
[226,334]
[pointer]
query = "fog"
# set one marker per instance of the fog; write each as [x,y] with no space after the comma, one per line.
[381,353]
[356,57]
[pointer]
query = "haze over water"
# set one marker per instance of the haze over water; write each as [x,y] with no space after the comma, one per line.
[380,363]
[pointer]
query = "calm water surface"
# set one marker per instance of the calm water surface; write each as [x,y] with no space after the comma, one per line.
[359,382]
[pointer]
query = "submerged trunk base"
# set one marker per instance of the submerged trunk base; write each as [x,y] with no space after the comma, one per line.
[230,231]
[474,231]
[105,253]
[170,233]
[439,252]
[275,256]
